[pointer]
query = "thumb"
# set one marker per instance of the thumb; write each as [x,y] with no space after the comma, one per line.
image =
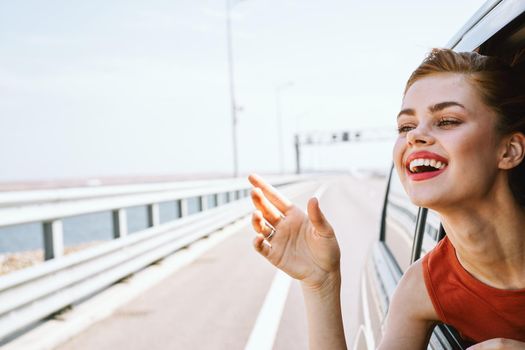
[318,219]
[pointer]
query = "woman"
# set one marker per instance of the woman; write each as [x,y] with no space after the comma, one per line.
[459,152]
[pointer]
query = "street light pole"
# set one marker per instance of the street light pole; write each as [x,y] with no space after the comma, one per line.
[232,89]
[297,141]
[278,90]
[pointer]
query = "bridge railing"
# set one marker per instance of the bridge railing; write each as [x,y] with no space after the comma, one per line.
[20,198]
[29,295]
[50,207]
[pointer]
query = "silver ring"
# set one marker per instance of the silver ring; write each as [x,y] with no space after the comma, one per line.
[271,233]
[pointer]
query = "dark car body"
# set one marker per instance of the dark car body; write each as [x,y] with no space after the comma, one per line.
[408,232]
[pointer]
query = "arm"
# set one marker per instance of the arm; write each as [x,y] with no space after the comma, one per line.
[305,247]
[411,318]
[323,310]
[409,324]
[411,315]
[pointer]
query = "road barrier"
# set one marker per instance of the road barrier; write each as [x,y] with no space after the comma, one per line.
[32,294]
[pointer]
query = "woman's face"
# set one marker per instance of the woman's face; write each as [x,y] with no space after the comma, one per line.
[446,153]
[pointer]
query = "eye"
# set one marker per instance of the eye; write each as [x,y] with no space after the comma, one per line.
[404,128]
[448,122]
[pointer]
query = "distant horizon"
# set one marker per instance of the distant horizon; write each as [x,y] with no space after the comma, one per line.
[93,181]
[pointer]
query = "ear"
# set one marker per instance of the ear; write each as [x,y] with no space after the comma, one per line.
[513,151]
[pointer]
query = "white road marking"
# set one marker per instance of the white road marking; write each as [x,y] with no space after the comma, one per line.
[264,332]
[320,191]
[267,323]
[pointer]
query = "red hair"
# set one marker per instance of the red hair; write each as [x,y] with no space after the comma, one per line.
[500,85]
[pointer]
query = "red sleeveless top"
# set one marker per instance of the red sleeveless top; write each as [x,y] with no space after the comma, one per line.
[477,311]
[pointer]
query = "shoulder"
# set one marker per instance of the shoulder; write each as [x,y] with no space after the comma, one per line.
[411,296]
[412,288]
[410,309]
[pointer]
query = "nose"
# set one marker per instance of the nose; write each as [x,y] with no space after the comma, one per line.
[419,136]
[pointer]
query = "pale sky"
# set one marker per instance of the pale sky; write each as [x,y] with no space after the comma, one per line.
[116,88]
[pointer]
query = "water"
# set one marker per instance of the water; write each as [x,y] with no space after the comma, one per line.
[21,237]
[99,226]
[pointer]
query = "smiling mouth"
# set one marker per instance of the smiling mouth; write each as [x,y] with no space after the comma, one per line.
[425,165]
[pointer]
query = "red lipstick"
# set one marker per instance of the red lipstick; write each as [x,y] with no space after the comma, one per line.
[426,155]
[425,175]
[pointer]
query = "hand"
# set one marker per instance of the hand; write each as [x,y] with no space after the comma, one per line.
[499,344]
[305,247]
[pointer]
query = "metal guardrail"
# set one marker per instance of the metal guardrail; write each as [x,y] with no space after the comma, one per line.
[78,202]
[30,295]
[22,198]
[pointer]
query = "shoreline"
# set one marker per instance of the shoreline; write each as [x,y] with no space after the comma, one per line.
[46,184]
[11,262]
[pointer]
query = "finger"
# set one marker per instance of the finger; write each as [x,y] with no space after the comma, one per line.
[491,344]
[260,225]
[318,219]
[269,211]
[497,343]
[281,202]
[261,245]
[257,221]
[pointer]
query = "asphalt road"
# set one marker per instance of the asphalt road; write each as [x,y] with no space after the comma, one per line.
[214,302]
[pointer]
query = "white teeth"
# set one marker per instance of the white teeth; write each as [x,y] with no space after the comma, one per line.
[426,162]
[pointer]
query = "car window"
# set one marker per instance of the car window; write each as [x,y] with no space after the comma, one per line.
[431,232]
[400,223]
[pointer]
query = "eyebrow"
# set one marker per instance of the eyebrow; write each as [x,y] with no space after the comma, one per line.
[442,105]
[433,109]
